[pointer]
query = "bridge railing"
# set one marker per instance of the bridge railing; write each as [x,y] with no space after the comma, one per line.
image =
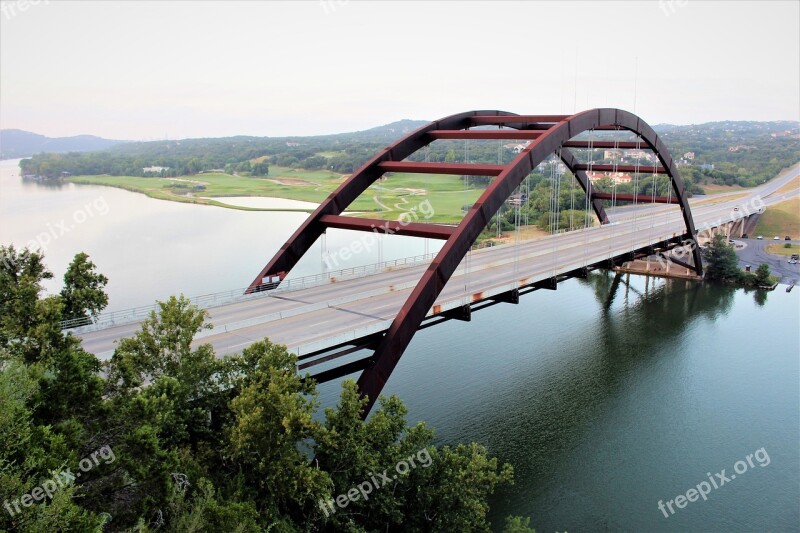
[208,301]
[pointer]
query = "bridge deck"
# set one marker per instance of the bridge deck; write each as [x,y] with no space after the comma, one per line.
[315,318]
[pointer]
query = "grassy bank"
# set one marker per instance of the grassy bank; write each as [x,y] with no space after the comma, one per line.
[433,198]
[780,249]
[780,219]
[150,187]
[792,185]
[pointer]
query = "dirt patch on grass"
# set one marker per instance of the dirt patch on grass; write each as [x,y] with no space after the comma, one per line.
[529,233]
[716,189]
[195,182]
[293,182]
[412,192]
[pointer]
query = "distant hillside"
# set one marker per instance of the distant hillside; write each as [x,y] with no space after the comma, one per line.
[388,132]
[724,153]
[18,143]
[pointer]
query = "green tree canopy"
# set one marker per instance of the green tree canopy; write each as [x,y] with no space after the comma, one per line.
[720,260]
[201,443]
[83,294]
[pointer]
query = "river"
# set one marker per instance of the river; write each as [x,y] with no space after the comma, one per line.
[606,402]
[151,248]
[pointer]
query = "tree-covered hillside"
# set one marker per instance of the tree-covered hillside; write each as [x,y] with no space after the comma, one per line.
[725,153]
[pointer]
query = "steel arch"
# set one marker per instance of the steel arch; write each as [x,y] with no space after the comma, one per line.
[548,134]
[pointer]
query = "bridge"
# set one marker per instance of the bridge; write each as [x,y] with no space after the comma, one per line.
[363,320]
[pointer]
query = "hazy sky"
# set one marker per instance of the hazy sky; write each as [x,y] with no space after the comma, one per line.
[148,70]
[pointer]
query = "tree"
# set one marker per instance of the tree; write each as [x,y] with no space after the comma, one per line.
[207,444]
[49,390]
[83,294]
[721,261]
[21,276]
[517,524]
[260,169]
[763,274]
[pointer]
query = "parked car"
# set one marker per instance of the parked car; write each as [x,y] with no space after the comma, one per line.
[787,238]
[776,238]
[760,237]
[744,235]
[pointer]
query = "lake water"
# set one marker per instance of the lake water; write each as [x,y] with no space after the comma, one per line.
[605,402]
[151,248]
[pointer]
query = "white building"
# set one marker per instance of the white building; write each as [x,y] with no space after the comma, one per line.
[616,177]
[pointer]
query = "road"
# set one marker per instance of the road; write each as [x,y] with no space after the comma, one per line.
[310,319]
[753,252]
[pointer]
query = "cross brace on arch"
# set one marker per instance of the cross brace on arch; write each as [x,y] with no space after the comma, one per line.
[547,134]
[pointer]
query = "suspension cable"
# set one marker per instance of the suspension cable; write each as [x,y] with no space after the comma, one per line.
[556,206]
[572,203]
[468,258]
[614,177]
[588,202]
[653,191]
[427,190]
[499,162]
[636,186]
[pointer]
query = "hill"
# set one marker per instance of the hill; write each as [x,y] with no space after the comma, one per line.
[15,144]
[716,153]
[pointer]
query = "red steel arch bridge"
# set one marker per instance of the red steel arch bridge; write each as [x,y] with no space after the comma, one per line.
[565,137]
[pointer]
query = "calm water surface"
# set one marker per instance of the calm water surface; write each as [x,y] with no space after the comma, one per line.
[604,401]
[151,248]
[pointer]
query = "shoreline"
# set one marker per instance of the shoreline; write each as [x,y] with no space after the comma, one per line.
[197,200]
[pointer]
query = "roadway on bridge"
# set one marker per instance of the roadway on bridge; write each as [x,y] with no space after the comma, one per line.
[310,319]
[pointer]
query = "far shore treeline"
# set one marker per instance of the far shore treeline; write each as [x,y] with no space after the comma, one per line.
[717,153]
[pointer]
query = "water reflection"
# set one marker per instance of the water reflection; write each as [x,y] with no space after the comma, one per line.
[603,409]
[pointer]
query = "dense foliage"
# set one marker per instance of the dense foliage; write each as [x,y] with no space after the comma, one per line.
[343,153]
[722,264]
[177,439]
[741,153]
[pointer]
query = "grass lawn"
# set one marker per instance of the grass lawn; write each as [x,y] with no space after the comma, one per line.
[792,185]
[780,219]
[707,201]
[778,249]
[431,198]
[715,188]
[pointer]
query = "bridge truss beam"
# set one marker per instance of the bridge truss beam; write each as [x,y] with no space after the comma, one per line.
[548,134]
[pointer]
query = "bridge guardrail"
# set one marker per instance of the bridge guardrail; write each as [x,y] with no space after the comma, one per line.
[208,301]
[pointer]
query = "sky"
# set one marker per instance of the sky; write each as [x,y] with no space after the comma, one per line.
[149,70]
